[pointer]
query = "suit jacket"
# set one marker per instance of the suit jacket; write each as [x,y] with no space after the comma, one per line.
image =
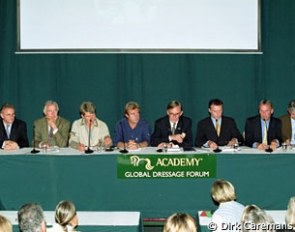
[253,131]
[18,133]
[163,130]
[61,137]
[206,131]
[286,127]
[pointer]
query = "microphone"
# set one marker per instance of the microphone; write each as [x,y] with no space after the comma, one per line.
[268,149]
[88,150]
[34,151]
[124,151]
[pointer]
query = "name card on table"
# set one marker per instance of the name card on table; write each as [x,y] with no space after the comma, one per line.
[166,166]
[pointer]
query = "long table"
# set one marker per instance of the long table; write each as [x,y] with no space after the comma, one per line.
[91,182]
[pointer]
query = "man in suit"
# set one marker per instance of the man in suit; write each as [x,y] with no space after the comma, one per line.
[174,128]
[217,130]
[288,124]
[51,130]
[13,132]
[263,131]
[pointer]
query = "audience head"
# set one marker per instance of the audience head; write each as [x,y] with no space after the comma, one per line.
[223,191]
[290,213]
[88,111]
[291,109]
[265,109]
[215,108]
[31,218]
[132,112]
[50,109]
[65,215]
[5,225]
[174,111]
[180,222]
[255,219]
[8,113]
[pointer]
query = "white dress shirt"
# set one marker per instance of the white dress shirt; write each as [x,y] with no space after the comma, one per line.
[228,215]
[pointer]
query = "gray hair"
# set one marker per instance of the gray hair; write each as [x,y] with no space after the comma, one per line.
[30,218]
[49,103]
[174,104]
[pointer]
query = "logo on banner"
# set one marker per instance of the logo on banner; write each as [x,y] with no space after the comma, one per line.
[135,160]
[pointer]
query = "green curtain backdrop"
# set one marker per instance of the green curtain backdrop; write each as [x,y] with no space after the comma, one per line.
[110,80]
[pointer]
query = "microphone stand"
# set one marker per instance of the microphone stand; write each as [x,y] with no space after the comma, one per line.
[34,151]
[124,151]
[89,151]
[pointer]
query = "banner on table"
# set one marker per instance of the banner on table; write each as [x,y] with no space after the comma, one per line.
[166,166]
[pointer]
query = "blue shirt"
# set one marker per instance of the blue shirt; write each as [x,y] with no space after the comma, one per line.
[123,132]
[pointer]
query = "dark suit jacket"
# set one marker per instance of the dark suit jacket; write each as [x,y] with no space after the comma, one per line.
[286,127]
[18,133]
[253,132]
[206,131]
[163,130]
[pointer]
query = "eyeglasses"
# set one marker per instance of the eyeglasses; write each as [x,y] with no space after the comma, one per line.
[174,115]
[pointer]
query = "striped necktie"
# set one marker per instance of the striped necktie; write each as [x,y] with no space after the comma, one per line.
[264,140]
[173,128]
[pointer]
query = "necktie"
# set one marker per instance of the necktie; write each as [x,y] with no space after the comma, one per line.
[217,127]
[173,128]
[264,141]
[50,133]
[8,131]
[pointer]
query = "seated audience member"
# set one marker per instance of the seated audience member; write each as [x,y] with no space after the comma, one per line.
[229,211]
[174,128]
[263,131]
[65,217]
[290,213]
[217,130]
[180,222]
[5,225]
[13,132]
[255,219]
[51,130]
[31,218]
[132,132]
[288,124]
[80,129]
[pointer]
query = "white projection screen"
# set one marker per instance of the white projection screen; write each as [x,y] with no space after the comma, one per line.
[138,26]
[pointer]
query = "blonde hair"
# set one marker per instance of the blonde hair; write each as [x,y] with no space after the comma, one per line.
[87,107]
[180,222]
[223,191]
[131,106]
[5,225]
[65,211]
[253,215]
[290,213]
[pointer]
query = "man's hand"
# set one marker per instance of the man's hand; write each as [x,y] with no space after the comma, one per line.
[10,145]
[107,141]
[212,145]
[262,146]
[177,137]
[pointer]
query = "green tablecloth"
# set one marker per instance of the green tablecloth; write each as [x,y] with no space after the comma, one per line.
[91,183]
